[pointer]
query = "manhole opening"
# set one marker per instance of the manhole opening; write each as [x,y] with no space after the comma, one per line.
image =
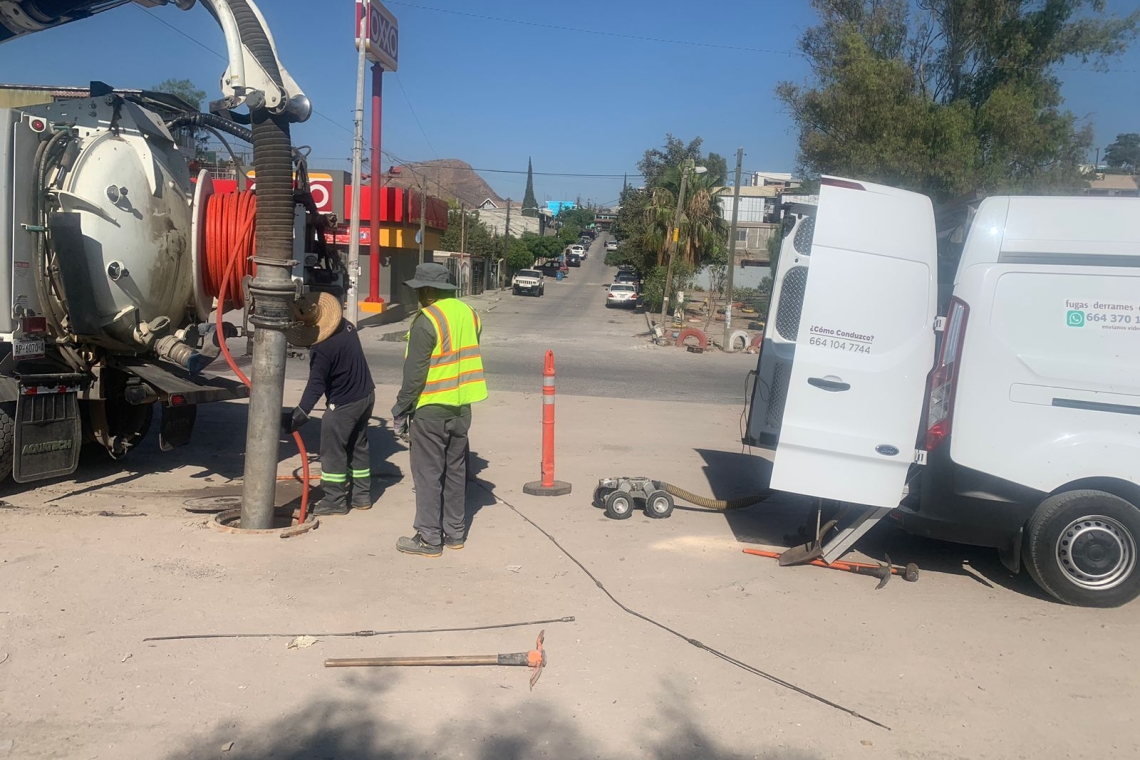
[284,524]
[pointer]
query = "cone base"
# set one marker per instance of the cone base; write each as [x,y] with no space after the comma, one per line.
[536,488]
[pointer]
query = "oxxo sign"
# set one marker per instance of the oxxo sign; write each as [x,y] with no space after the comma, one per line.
[383,33]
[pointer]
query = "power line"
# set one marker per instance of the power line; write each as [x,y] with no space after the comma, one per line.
[214,52]
[695,43]
[414,116]
[599,32]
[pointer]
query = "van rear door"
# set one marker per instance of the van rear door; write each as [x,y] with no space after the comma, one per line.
[863,346]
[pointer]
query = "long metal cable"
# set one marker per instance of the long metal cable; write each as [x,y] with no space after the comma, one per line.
[694,642]
[464,629]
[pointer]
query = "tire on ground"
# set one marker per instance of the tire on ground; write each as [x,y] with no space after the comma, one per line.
[692,332]
[1081,547]
[757,341]
[738,335]
[7,437]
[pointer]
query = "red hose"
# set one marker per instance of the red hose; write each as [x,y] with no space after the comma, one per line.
[229,247]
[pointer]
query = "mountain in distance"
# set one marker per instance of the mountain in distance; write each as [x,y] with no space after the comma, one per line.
[447,178]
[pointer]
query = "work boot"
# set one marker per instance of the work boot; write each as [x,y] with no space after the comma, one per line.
[327,507]
[453,543]
[361,504]
[417,545]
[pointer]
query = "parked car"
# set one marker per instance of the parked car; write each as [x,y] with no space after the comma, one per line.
[1005,415]
[574,259]
[628,278]
[621,294]
[611,245]
[529,281]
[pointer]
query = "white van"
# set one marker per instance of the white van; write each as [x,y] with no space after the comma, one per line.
[1008,418]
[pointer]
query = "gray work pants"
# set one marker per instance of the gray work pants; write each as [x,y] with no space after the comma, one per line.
[346,469]
[439,471]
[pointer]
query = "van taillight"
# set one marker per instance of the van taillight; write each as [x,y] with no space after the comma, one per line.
[944,379]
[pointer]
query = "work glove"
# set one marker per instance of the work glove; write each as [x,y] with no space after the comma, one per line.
[292,420]
[402,426]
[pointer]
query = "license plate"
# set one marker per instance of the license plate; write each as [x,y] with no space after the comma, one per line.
[28,349]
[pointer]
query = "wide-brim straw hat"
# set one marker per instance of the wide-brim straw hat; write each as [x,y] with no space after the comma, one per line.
[318,316]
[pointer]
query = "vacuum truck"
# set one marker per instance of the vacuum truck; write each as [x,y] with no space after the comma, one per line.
[112,255]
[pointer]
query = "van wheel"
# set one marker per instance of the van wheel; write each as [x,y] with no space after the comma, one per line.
[7,438]
[1081,547]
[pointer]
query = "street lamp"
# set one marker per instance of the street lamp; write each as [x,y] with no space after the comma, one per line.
[686,168]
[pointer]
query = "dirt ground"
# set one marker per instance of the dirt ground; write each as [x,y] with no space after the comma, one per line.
[970,662]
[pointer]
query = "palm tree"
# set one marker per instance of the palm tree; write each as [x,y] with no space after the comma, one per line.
[702,228]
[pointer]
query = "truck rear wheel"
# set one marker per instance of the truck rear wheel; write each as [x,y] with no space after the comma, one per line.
[125,427]
[7,438]
[1081,547]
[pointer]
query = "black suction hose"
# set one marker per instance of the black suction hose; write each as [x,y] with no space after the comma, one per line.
[219,123]
[273,161]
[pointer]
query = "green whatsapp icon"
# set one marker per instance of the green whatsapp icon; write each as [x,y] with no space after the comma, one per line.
[1075,319]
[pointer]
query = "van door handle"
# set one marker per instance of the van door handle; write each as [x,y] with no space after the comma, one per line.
[834,386]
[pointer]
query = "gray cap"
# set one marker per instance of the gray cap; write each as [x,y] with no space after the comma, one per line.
[431,276]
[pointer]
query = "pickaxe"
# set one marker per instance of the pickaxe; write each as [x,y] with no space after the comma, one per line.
[535,659]
[882,571]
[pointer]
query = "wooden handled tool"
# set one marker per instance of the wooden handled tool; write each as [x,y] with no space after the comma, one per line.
[535,659]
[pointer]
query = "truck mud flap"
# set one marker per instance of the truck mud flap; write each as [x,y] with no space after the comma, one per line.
[177,426]
[48,435]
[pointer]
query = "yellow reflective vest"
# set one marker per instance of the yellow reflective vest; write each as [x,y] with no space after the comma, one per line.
[455,376]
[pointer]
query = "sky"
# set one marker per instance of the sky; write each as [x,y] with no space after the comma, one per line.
[580,87]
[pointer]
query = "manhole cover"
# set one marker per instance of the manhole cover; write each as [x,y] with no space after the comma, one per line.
[212,504]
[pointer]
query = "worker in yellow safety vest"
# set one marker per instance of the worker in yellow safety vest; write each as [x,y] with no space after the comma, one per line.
[443,377]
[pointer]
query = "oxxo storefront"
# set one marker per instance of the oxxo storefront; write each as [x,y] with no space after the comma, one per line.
[399,225]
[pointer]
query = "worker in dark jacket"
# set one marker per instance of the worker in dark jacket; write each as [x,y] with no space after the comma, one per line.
[338,370]
[443,377]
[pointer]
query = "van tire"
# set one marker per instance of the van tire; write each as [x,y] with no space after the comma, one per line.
[1107,527]
[7,438]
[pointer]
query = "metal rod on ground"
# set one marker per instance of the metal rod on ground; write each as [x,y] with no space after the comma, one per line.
[376,189]
[547,486]
[535,659]
[732,254]
[352,312]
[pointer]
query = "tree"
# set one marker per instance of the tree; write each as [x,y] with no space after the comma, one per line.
[519,255]
[1124,153]
[479,240]
[185,89]
[949,96]
[530,203]
[674,153]
[182,88]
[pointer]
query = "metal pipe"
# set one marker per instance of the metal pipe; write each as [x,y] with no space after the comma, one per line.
[272,289]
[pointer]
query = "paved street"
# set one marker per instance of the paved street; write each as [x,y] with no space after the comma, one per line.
[598,351]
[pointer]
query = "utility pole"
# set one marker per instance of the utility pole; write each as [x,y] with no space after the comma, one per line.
[732,253]
[673,240]
[423,215]
[353,305]
[462,228]
[506,243]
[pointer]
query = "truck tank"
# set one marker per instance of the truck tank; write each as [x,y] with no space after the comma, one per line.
[114,195]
